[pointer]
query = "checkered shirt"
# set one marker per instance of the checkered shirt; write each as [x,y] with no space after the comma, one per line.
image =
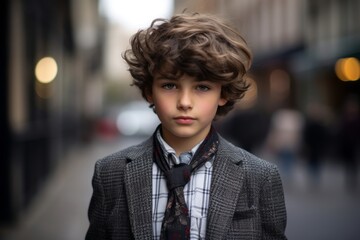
[196,192]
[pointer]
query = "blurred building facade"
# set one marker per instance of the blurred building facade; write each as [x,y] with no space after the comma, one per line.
[40,120]
[297,48]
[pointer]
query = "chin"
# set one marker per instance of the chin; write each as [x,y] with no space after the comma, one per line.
[187,132]
[183,134]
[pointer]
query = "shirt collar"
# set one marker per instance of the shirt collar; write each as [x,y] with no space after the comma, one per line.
[169,151]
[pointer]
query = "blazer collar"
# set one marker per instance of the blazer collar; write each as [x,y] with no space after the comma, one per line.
[138,185]
[226,185]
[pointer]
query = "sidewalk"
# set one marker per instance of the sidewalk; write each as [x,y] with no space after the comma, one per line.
[59,212]
[324,212]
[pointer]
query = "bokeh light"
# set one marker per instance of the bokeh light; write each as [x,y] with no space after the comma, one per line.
[348,69]
[46,70]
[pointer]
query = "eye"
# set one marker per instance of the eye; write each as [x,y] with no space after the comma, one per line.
[203,88]
[168,86]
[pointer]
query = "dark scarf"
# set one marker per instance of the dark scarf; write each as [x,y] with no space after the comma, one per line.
[176,222]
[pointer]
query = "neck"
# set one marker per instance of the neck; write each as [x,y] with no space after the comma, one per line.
[183,144]
[183,147]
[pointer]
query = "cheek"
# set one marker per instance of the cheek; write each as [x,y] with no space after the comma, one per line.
[208,109]
[162,105]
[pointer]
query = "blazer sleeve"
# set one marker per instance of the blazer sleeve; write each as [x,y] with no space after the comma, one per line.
[272,207]
[97,208]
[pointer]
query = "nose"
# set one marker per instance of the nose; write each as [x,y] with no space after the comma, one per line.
[184,100]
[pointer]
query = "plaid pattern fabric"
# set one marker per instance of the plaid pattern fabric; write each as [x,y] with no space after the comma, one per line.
[196,193]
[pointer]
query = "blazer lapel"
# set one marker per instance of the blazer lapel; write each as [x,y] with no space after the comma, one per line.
[138,184]
[226,184]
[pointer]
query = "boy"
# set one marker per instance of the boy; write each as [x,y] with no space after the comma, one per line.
[186,182]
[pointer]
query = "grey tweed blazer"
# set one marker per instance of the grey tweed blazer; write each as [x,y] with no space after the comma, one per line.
[246,196]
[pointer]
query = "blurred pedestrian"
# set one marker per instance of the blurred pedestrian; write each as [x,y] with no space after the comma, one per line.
[187,182]
[284,140]
[237,129]
[315,137]
[349,140]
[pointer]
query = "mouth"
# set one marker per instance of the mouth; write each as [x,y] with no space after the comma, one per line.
[184,120]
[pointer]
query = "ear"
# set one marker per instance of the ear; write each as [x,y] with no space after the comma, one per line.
[222,102]
[149,97]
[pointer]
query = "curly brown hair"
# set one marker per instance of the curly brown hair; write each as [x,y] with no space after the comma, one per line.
[198,45]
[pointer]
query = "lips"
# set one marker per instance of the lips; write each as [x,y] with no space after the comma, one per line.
[184,120]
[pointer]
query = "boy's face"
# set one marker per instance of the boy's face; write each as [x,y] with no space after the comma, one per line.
[185,107]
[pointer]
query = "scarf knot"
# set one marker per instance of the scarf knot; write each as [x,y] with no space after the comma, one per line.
[178,176]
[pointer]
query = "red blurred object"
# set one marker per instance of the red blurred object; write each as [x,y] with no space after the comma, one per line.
[106,128]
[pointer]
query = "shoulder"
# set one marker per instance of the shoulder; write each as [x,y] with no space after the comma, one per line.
[115,161]
[253,166]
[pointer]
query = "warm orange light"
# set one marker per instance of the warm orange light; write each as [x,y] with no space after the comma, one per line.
[348,69]
[339,69]
[46,70]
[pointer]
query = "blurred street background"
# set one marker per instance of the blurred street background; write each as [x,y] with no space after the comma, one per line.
[66,101]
